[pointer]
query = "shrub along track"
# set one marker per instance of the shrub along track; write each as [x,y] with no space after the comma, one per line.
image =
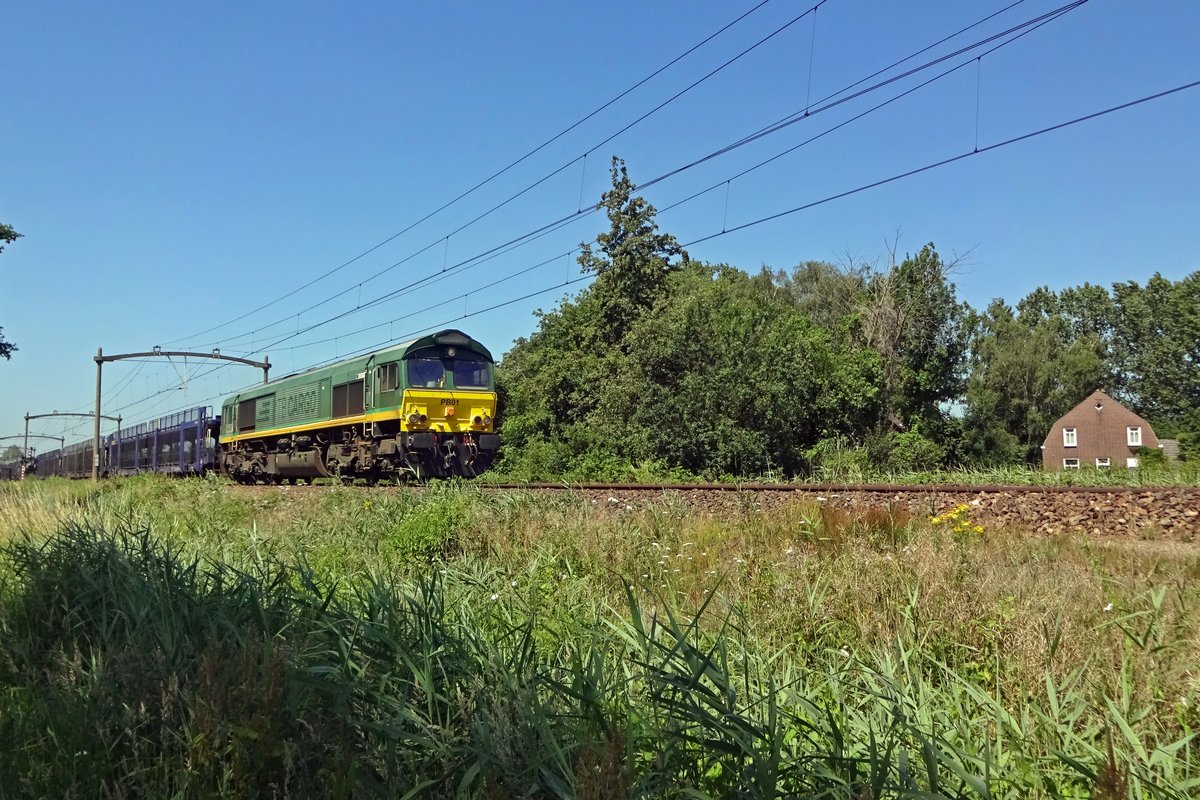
[1123,511]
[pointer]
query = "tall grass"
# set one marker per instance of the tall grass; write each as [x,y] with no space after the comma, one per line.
[454,644]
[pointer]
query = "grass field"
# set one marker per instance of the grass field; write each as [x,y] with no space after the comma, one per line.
[194,639]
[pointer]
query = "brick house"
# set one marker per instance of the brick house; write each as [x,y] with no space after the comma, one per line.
[1100,433]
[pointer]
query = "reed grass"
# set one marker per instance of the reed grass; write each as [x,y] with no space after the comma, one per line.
[189,639]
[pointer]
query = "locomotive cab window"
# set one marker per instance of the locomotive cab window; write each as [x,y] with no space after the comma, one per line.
[387,377]
[471,373]
[426,373]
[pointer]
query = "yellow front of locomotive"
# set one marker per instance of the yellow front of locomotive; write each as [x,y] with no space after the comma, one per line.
[448,406]
[448,411]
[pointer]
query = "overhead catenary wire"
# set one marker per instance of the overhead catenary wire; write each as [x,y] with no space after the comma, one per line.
[1019,30]
[618,97]
[951,160]
[528,188]
[911,90]
[745,140]
[825,104]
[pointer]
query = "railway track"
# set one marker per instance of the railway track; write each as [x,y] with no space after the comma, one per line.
[839,488]
[1171,512]
[1148,512]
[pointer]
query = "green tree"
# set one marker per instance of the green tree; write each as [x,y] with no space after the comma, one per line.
[677,363]
[827,294]
[726,376]
[11,453]
[633,261]
[1156,347]
[1027,370]
[911,317]
[550,382]
[7,236]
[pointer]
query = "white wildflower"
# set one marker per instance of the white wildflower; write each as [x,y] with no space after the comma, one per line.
[1108,607]
[495,597]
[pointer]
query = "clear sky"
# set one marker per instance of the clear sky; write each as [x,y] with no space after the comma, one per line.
[175,166]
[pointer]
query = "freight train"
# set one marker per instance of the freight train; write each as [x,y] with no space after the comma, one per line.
[422,409]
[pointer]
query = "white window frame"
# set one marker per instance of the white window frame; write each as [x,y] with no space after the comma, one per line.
[1103,463]
[1070,437]
[1133,435]
[1070,463]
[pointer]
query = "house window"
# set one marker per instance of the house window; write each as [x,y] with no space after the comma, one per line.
[1103,463]
[1133,435]
[1069,438]
[1070,463]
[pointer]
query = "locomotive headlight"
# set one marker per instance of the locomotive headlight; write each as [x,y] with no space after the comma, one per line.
[487,420]
[477,420]
[414,418]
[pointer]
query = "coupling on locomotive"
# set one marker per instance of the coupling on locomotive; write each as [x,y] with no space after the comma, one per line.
[422,409]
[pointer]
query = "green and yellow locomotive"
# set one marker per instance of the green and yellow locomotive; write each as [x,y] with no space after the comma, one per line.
[421,409]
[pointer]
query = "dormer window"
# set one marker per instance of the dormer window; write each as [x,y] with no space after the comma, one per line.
[1133,435]
[1070,439]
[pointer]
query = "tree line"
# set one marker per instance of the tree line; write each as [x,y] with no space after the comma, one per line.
[711,370]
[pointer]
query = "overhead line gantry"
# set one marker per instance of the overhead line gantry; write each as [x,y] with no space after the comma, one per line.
[157,352]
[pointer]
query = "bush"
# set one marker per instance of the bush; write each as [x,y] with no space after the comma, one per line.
[837,459]
[912,452]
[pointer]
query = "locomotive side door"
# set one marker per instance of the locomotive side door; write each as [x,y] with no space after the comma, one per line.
[368,380]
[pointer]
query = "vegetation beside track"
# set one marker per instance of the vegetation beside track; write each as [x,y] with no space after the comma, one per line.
[188,638]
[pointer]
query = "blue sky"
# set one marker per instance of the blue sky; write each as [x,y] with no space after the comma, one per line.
[175,166]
